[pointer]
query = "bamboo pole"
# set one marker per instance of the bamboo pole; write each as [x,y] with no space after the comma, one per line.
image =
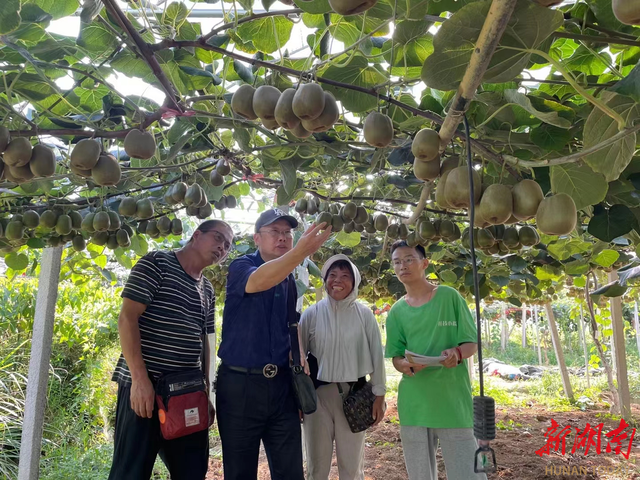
[524,326]
[557,346]
[583,340]
[535,312]
[620,356]
[491,33]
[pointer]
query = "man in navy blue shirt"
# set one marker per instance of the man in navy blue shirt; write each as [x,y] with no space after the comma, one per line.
[255,399]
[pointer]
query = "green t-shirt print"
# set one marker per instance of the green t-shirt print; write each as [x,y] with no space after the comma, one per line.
[436,397]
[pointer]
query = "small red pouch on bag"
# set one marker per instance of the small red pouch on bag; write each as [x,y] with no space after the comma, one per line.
[183,404]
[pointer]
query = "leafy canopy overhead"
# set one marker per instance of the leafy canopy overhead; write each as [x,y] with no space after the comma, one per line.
[561,81]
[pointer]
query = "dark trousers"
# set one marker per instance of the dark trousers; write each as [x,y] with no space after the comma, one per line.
[251,408]
[138,441]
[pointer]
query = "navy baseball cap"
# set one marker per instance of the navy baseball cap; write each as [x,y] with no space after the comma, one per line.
[273,215]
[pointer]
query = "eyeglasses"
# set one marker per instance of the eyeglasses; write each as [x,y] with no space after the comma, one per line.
[408,261]
[275,234]
[219,238]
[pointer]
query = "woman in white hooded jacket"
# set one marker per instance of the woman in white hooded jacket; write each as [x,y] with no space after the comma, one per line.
[343,335]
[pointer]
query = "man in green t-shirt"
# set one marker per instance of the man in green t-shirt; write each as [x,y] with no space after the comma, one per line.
[434,403]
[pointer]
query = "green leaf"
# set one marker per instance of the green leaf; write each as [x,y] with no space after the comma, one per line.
[580,182]
[9,16]
[583,60]
[516,263]
[448,276]
[348,239]
[579,282]
[313,269]
[30,86]
[17,261]
[355,72]
[139,245]
[100,260]
[289,180]
[529,26]
[565,248]
[96,38]
[607,225]
[629,85]
[613,289]
[606,258]
[576,267]
[549,137]
[603,11]
[175,13]
[57,8]
[267,34]
[36,243]
[315,6]
[611,160]
[243,71]
[548,111]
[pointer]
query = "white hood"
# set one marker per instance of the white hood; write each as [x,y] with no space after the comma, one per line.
[353,296]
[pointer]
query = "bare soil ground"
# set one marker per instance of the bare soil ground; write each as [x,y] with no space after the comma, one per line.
[520,434]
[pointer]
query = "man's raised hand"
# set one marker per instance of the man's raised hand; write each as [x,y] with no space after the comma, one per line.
[312,239]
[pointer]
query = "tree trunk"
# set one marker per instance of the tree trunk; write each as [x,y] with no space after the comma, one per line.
[524,326]
[553,329]
[584,346]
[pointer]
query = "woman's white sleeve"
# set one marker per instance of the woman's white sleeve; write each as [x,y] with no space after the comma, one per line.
[306,319]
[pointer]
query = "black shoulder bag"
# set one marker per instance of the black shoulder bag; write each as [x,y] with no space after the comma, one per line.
[358,405]
[303,386]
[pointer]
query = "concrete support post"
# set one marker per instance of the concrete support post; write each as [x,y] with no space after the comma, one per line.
[557,346]
[33,424]
[620,352]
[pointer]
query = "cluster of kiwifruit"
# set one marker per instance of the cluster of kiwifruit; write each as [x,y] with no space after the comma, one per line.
[499,204]
[348,217]
[193,197]
[107,228]
[216,177]
[377,130]
[20,162]
[89,161]
[501,239]
[627,11]
[426,231]
[303,110]
[426,151]
[160,227]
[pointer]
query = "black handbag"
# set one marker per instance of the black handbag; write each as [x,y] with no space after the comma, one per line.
[358,405]
[303,386]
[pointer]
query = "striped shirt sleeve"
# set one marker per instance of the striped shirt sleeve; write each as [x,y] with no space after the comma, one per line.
[211,312]
[144,280]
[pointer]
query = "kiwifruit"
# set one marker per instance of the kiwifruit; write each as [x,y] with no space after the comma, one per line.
[80,171]
[370,228]
[359,227]
[128,229]
[426,229]
[1,169]
[141,228]
[324,217]
[178,191]
[403,231]
[527,196]
[301,205]
[193,195]
[556,215]
[242,102]
[64,225]
[510,237]
[48,219]
[478,218]
[312,206]
[284,110]
[5,138]
[349,211]
[361,215]
[412,239]
[426,145]
[485,238]
[349,227]
[457,187]
[219,205]
[494,249]
[112,242]
[327,118]
[334,208]
[380,222]
[265,100]
[18,152]
[164,224]
[101,221]
[31,219]
[447,228]
[123,239]
[223,167]
[152,229]
[139,144]
[176,226]
[144,209]
[351,7]
[231,201]
[496,204]
[528,236]
[78,243]
[14,231]
[204,200]
[87,223]
[336,222]
[215,178]
[100,238]
[85,154]
[441,199]
[107,171]
[308,102]
[18,174]
[393,230]
[627,11]
[449,163]
[114,221]
[76,220]
[270,123]
[426,170]
[299,132]
[511,220]
[127,207]
[166,196]
[42,162]
[378,130]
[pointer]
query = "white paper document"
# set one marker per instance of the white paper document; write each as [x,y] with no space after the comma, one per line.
[423,360]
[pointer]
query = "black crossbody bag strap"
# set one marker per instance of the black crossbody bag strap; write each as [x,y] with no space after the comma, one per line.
[294,318]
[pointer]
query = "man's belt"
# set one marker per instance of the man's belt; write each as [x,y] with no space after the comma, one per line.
[269,370]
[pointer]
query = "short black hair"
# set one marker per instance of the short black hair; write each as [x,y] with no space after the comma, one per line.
[209,225]
[341,265]
[403,243]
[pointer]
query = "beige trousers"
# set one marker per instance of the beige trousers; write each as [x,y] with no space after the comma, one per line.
[322,428]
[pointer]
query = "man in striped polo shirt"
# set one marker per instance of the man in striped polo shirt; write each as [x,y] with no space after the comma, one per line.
[254,396]
[167,307]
